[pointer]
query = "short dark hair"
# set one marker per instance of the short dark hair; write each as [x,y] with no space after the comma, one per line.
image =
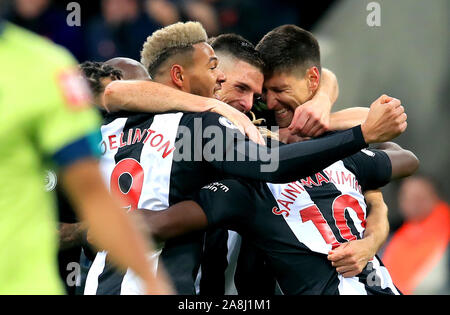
[287,48]
[95,71]
[238,47]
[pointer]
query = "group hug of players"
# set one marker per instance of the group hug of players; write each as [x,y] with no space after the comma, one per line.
[310,225]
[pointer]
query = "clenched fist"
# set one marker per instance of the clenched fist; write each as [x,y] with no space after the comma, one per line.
[386,120]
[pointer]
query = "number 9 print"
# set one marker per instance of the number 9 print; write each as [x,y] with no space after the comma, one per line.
[133,169]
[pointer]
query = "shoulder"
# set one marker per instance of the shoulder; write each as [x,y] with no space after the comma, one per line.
[371,167]
[36,48]
[205,119]
[237,189]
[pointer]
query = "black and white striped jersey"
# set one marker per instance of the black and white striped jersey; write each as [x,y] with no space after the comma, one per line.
[154,161]
[296,224]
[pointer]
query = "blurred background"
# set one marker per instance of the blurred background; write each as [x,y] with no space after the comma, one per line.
[403,51]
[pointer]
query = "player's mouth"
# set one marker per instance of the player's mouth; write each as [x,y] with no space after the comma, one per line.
[217,88]
[283,116]
[283,113]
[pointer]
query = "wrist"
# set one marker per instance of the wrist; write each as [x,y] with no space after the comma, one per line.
[366,134]
[211,104]
[327,101]
[371,243]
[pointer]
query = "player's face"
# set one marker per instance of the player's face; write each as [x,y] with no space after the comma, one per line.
[244,84]
[205,79]
[283,93]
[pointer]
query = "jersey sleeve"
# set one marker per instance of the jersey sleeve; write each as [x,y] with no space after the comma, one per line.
[226,203]
[234,154]
[372,168]
[67,128]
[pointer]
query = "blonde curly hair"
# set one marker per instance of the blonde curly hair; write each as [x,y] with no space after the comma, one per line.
[263,130]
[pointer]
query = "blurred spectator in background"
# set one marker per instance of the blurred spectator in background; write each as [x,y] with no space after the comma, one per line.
[120,30]
[417,254]
[112,28]
[42,17]
[253,19]
[163,12]
[203,11]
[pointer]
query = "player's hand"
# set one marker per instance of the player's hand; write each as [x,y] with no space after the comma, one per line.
[312,118]
[386,120]
[239,119]
[350,258]
[286,136]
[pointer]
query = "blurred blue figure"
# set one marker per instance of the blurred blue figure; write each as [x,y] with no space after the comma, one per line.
[43,18]
[120,30]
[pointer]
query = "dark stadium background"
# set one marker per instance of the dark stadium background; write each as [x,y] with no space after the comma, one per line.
[406,56]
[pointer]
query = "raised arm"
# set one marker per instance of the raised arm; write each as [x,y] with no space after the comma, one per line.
[385,121]
[153,97]
[348,118]
[313,117]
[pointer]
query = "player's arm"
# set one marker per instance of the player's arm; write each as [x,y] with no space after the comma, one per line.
[225,207]
[403,162]
[64,133]
[153,97]
[348,118]
[312,118]
[375,169]
[179,219]
[71,235]
[350,258]
[377,223]
[297,160]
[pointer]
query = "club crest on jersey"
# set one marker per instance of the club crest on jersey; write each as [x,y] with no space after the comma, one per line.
[74,88]
[226,123]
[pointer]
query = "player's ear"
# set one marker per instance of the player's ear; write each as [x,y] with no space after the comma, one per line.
[176,75]
[313,78]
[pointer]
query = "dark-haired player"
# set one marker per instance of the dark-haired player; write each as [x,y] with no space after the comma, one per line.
[290,82]
[143,146]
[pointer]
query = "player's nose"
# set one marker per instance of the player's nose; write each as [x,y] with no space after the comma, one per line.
[271,100]
[247,102]
[221,78]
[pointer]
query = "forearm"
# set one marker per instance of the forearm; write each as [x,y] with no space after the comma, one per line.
[148,96]
[179,219]
[377,224]
[293,161]
[71,235]
[403,162]
[328,86]
[348,118]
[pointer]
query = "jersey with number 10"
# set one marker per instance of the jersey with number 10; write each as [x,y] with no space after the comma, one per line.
[296,224]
